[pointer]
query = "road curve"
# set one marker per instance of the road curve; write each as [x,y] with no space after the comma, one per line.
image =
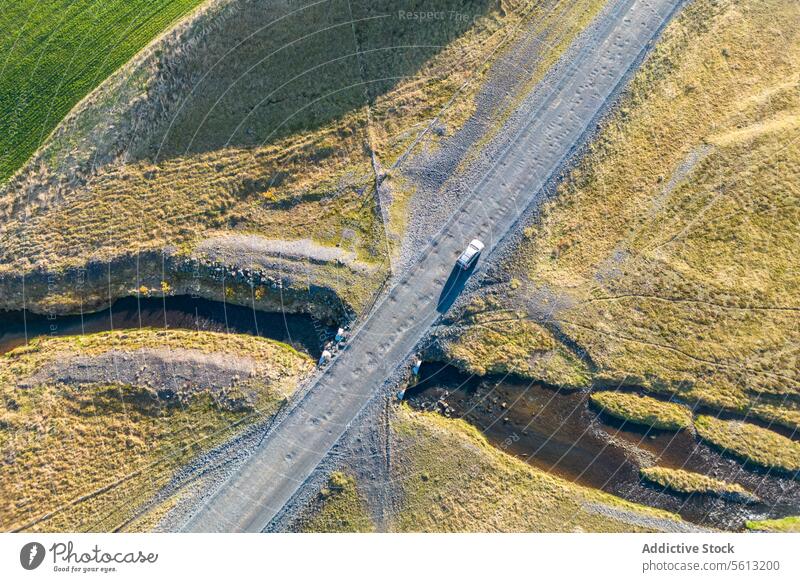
[260,488]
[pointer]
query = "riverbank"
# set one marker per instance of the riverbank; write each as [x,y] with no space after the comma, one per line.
[559,431]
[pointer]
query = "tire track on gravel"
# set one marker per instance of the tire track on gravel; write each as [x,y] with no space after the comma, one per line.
[514,184]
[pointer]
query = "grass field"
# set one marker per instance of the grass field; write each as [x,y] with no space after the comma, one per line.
[85,456]
[259,118]
[452,479]
[503,341]
[447,478]
[668,250]
[339,508]
[52,54]
[263,118]
[785,525]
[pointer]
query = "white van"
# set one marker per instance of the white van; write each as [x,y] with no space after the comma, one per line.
[470,254]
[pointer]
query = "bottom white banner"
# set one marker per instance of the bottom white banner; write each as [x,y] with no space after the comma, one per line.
[355,557]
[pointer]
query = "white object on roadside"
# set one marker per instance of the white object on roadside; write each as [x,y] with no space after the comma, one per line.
[339,335]
[326,355]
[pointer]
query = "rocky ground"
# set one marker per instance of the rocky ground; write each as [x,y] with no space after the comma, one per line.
[170,374]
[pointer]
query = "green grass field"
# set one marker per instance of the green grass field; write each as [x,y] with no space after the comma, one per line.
[52,54]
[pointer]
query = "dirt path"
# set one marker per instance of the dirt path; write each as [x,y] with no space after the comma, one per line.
[247,250]
[568,109]
[172,373]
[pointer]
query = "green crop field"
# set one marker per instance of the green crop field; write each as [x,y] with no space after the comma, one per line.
[52,54]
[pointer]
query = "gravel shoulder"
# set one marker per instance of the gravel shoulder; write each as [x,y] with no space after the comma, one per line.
[245,251]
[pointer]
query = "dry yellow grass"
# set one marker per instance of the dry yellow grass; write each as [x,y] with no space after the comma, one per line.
[80,457]
[229,154]
[672,244]
[689,482]
[254,118]
[339,508]
[502,341]
[452,479]
[751,443]
[784,525]
[643,410]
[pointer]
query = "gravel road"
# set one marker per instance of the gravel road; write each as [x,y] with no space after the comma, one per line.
[514,184]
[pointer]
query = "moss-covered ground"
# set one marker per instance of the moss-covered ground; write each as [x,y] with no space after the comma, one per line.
[752,443]
[689,482]
[643,410]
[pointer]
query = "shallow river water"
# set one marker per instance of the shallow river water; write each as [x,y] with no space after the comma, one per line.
[553,430]
[180,312]
[559,432]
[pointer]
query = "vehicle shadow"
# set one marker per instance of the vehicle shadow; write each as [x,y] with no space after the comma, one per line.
[453,286]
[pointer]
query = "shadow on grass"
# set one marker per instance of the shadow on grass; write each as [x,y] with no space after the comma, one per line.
[267,70]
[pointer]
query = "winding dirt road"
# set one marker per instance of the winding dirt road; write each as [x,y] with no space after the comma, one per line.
[260,488]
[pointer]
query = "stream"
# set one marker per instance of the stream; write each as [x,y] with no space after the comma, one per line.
[557,431]
[179,312]
[554,430]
